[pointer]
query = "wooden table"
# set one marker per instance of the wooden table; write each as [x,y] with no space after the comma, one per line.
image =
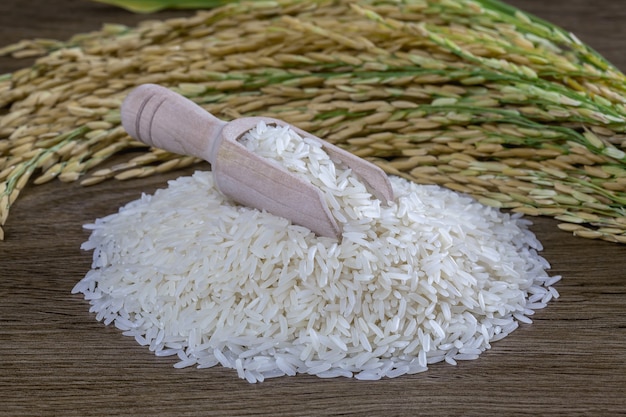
[56,360]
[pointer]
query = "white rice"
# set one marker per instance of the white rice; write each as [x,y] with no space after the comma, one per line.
[433,277]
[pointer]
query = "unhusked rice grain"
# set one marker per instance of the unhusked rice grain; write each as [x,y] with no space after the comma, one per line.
[434,276]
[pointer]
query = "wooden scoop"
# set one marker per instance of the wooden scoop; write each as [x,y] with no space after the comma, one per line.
[161,118]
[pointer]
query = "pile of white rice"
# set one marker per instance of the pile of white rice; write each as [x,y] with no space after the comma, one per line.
[433,277]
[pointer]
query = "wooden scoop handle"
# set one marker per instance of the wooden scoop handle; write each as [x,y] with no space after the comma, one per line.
[161,118]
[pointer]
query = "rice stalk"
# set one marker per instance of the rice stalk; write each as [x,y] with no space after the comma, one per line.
[151,6]
[473,95]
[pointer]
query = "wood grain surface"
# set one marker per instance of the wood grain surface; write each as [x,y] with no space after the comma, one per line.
[56,360]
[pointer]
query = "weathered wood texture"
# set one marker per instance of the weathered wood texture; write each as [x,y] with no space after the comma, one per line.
[56,360]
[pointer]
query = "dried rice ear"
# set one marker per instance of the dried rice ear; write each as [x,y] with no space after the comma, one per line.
[164,119]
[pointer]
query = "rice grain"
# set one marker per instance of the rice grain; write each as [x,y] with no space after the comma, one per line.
[435,276]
